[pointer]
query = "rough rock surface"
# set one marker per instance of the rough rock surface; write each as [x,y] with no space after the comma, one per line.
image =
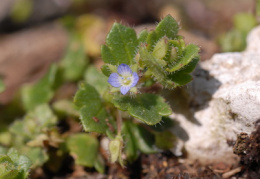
[223,100]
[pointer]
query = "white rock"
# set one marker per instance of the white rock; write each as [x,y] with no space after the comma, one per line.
[225,100]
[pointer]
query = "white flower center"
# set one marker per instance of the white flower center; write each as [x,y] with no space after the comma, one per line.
[126,80]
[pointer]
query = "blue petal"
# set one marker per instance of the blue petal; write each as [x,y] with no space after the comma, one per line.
[124,89]
[114,80]
[135,79]
[124,69]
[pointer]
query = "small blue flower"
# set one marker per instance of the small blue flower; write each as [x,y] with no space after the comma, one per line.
[125,79]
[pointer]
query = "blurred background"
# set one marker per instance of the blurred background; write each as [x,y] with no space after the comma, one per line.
[35,33]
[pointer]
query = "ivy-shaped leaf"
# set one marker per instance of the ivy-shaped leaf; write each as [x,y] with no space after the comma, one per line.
[148,108]
[93,115]
[121,45]
[84,149]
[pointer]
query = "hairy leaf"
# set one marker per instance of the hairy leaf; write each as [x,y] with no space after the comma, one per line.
[190,52]
[168,27]
[148,108]
[93,115]
[121,45]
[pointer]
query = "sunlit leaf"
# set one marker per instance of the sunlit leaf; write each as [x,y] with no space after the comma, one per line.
[190,52]
[93,115]
[121,45]
[168,27]
[96,78]
[148,108]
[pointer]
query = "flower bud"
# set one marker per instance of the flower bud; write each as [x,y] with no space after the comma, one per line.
[160,49]
[115,147]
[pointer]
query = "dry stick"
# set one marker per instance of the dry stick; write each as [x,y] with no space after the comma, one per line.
[232,172]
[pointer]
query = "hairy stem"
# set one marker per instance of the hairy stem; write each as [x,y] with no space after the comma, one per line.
[119,122]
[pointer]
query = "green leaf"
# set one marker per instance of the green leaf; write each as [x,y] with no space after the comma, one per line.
[168,27]
[145,139]
[97,79]
[233,41]
[107,69]
[99,164]
[130,148]
[164,125]
[37,155]
[257,8]
[143,36]
[244,22]
[153,64]
[24,162]
[10,174]
[148,108]
[13,154]
[75,61]
[41,92]
[182,76]
[161,48]
[180,79]
[93,115]
[24,166]
[34,123]
[137,139]
[3,150]
[65,107]
[165,140]
[13,165]
[5,159]
[83,148]
[190,52]
[2,86]
[121,45]
[42,116]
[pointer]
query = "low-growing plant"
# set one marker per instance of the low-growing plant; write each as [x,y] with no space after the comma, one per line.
[235,39]
[118,103]
[121,102]
[13,165]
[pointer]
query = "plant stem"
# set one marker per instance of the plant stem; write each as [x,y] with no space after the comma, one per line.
[119,122]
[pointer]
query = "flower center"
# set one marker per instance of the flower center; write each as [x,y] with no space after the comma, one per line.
[126,80]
